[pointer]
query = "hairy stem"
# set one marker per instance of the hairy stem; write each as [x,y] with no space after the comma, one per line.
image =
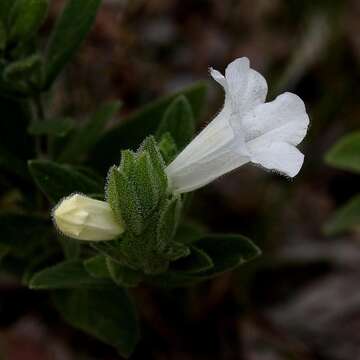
[39,115]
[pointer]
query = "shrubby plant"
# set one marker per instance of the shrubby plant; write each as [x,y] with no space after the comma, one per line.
[117,196]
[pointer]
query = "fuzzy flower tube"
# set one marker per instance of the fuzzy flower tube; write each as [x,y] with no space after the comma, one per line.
[247,130]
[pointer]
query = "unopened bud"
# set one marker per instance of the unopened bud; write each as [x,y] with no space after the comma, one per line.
[83,218]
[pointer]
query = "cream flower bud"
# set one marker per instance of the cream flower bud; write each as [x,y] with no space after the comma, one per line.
[83,218]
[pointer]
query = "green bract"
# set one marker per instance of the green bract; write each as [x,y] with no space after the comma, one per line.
[137,192]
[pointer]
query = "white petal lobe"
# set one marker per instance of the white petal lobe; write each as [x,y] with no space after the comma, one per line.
[245,87]
[218,77]
[281,157]
[284,119]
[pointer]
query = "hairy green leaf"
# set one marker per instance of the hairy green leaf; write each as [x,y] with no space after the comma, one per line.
[87,136]
[5,9]
[168,148]
[108,315]
[168,222]
[58,181]
[71,29]
[345,218]
[122,275]
[227,252]
[346,153]
[196,262]
[26,17]
[66,275]
[179,121]
[224,252]
[55,127]
[36,262]
[174,251]
[189,232]
[23,69]
[96,266]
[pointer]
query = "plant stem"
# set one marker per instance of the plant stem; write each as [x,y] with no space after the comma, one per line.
[39,106]
[39,116]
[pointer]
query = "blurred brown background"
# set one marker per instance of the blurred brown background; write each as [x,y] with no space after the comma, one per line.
[301,300]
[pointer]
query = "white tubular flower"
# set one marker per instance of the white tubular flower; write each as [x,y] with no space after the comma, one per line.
[246,130]
[83,218]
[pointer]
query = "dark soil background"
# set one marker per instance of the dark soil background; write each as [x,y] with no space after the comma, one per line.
[301,299]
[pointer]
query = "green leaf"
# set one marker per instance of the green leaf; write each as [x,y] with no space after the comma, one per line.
[90,173]
[108,315]
[86,137]
[133,129]
[37,262]
[96,266]
[26,17]
[188,232]
[66,275]
[70,30]
[227,252]
[346,153]
[5,8]
[345,218]
[123,276]
[168,148]
[23,69]
[110,249]
[196,262]
[54,127]
[57,181]
[3,36]
[179,121]
[174,251]
[169,219]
